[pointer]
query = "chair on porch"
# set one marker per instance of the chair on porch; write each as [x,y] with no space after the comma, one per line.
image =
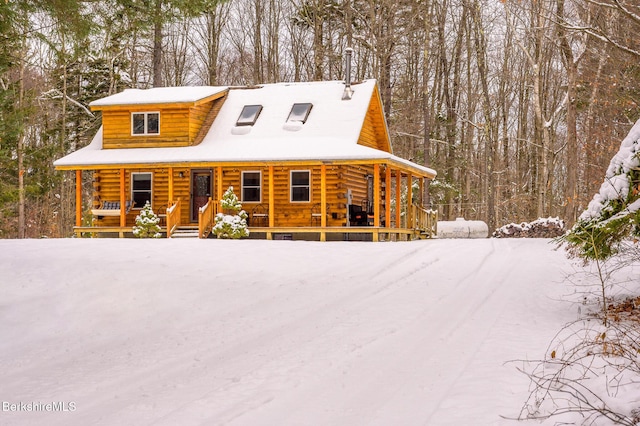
[367,208]
[316,214]
[259,216]
[162,215]
[357,217]
[111,208]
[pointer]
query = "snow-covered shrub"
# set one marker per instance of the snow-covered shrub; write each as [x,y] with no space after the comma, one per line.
[147,223]
[550,227]
[230,201]
[231,225]
[613,215]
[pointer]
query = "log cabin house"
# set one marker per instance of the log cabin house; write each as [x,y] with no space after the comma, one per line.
[307,160]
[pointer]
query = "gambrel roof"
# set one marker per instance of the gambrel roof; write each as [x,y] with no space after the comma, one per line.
[333,130]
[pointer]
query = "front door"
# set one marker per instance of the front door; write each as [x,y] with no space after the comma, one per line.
[201,181]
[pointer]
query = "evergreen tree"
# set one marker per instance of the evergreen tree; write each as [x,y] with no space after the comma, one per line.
[231,225]
[613,215]
[147,223]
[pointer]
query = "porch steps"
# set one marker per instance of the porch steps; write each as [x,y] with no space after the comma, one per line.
[185,232]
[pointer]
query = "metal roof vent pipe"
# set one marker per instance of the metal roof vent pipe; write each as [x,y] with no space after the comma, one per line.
[348,91]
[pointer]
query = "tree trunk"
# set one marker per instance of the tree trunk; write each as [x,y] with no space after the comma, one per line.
[20,147]
[489,123]
[157,45]
[318,49]
[571,183]
[258,76]
[426,111]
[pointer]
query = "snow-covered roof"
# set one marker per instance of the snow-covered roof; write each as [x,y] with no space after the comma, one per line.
[159,95]
[330,132]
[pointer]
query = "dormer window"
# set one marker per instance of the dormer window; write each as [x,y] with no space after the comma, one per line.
[299,112]
[249,115]
[145,123]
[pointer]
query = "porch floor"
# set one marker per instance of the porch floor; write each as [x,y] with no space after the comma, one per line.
[270,232]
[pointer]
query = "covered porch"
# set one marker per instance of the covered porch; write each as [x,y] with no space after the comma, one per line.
[377,200]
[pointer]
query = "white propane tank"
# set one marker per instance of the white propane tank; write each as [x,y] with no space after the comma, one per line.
[461,228]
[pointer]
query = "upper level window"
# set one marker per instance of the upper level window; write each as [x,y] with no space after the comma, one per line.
[140,189]
[145,123]
[249,115]
[251,187]
[300,112]
[300,186]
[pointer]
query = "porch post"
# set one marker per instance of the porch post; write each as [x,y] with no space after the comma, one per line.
[398,199]
[123,203]
[78,197]
[170,201]
[272,197]
[219,191]
[323,201]
[409,201]
[376,200]
[387,198]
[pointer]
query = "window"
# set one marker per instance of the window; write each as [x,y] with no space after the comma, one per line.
[300,186]
[145,123]
[299,112]
[140,189]
[249,115]
[251,187]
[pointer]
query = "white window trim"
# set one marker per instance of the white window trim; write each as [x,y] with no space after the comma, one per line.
[298,186]
[242,186]
[146,123]
[136,207]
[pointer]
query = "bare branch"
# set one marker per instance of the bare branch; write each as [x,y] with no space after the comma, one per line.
[57,94]
[618,6]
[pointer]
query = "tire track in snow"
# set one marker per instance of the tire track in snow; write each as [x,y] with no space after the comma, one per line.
[258,349]
[354,349]
[459,331]
[404,389]
[354,373]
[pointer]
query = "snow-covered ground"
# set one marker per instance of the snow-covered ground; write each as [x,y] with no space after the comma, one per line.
[213,332]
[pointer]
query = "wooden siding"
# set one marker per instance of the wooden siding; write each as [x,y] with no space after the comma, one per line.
[202,129]
[174,129]
[106,187]
[287,214]
[368,136]
[296,214]
[374,129]
[356,180]
[197,116]
[180,125]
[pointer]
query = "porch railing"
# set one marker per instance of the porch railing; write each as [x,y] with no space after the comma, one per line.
[206,214]
[173,218]
[424,221]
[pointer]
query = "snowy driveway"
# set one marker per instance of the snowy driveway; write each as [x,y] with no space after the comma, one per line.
[179,332]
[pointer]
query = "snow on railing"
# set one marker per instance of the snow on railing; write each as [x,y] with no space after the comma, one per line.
[425,221]
[173,217]
[206,214]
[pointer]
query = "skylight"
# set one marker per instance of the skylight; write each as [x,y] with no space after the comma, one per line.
[249,115]
[300,112]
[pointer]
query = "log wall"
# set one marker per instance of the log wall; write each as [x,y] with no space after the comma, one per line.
[338,180]
[179,126]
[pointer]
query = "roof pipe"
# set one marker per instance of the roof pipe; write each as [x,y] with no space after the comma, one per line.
[348,91]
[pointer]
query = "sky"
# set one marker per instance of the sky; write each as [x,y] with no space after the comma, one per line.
[252,332]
